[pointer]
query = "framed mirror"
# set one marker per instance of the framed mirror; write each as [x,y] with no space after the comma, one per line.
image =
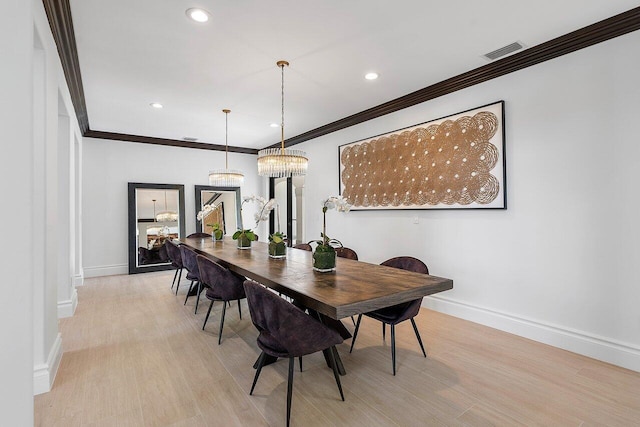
[289,193]
[226,213]
[156,213]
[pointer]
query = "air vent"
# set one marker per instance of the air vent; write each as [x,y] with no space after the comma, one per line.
[190,139]
[510,48]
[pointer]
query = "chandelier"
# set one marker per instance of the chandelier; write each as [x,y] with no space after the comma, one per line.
[282,162]
[166,215]
[226,177]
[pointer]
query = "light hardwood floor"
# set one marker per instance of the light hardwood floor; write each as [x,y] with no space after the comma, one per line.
[135,356]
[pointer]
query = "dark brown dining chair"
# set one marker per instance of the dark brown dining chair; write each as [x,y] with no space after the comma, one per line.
[222,285]
[303,246]
[397,313]
[175,256]
[190,262]
[348,253]
[286,331]
[201,235]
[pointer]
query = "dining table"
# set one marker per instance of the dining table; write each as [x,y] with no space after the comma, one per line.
[355,287]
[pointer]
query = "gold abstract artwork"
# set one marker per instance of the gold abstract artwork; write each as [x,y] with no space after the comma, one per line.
[448,164]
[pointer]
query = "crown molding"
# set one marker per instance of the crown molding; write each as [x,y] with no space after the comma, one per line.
[59,16]
[165,141]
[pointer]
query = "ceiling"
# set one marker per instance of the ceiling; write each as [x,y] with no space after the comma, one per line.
[133,53]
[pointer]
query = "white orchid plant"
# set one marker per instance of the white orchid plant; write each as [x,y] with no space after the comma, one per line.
[206,210]
[340,204]
[262,214]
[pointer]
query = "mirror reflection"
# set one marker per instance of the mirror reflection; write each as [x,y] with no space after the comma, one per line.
[156,214]
[225,212]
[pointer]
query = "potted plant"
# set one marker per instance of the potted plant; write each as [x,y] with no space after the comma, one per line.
[216,231]
[324,255]
[277,245]
[246,236]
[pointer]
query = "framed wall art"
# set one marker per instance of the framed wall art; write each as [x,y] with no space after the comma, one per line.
[455,162]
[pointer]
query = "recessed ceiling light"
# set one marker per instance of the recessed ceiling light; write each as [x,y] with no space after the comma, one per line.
[274,125]
[198,15]
[371,76]
[156,105]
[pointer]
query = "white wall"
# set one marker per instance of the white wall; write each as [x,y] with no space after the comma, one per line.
[16,304]
[107,168]
[560,264]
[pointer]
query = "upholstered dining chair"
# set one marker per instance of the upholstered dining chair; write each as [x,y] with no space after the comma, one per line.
[286,331]
[222,285]
[190,262]
[202,235]
[397,313]
[303,246]
[348,253]
[175,256]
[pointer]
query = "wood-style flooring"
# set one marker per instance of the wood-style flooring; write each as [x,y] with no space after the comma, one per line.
[134,355]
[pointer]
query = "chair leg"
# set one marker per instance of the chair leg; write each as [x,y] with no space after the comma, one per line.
[188,292]
[289,389]
[384,331]
[335,370]
[355,333]
[208,312]
[198,296]
[415,329]
[178,284]
[300,358]
[353,320]
[261,360]
[393,347]
[224,310]
[239,310]
[174,279]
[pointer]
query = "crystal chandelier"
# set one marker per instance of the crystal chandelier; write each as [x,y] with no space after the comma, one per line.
[166,215]
[226,177]
[282,162]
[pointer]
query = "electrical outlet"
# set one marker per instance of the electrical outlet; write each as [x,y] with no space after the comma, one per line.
[416,220]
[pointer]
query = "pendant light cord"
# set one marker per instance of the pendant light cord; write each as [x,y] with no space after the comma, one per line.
[226,135]
[282,64]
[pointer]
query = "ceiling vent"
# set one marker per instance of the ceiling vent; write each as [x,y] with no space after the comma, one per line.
[190,139]
[506,50]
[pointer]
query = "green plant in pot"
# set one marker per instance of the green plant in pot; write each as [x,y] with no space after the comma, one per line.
[324,255]
[216,231]
[246,236]
[277,245]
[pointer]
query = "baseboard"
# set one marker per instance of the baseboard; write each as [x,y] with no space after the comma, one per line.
[68,307]
[78,280]
[106,270]
[601,348]
[45,373]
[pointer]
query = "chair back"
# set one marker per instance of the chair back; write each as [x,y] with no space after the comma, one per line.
[163,253]
[346,253]
[409,309]
[224,284]
[201,235]
[284,328]
[303,246]
[189,260]
[173,251]
[407,263]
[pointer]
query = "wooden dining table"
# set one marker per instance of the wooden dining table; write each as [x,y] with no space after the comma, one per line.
[355,287]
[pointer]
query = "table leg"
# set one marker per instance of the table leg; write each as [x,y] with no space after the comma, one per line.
[344,333]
